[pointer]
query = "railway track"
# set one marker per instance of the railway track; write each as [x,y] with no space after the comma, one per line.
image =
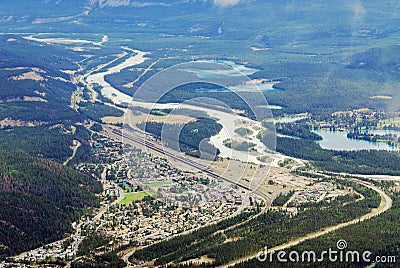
[178,158]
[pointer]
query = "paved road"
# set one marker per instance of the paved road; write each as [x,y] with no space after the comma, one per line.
[128,253]
[377,177]
[104,209]
[386,204]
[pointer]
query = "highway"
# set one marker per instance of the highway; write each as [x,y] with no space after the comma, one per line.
[385,204]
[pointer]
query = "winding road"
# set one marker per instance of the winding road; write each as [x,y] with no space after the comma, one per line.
[386,204]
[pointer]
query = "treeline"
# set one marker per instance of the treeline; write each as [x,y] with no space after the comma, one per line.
[39,112]
[389,139]
[299,130]
[361,162]
[282,198]
[303,149]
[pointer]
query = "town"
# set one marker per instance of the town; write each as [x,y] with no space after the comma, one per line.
[144,200]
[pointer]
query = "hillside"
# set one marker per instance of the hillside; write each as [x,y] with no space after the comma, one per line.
[33,88]
[39,200]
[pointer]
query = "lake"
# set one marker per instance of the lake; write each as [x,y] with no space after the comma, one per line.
[289,119]
[338,141]
[238,70]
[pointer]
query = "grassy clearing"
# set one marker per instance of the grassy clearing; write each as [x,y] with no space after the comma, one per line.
[158,184]
[131,197]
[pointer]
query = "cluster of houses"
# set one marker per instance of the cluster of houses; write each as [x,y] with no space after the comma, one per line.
[64,249]
[316,193]
[344,119]
[131,225]
[178,200]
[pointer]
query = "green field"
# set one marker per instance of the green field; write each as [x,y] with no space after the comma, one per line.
[131,197]
[158,184]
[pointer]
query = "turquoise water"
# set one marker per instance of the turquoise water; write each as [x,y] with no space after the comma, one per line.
[238,70]
[242,88]
[205,90]
[239,67]
[338,141]
[289,119]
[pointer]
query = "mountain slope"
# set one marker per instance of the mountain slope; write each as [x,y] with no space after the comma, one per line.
[39,200]
[33,87]
[39,197]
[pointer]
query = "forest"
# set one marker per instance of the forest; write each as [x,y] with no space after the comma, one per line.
[298,129]
[378,235]
[96,111]
[282,198]
[361,162]
[191,136]
[40,199]
[46,142]
[46,57]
